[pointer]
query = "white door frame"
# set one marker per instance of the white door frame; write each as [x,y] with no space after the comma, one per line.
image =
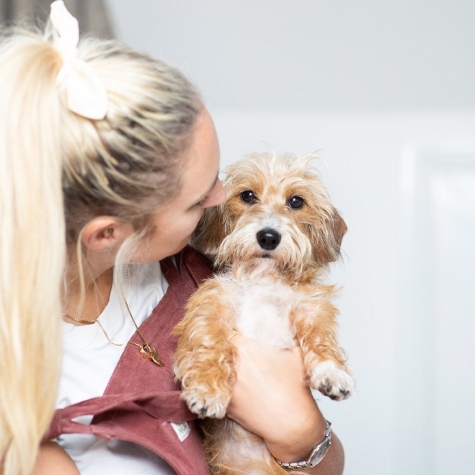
[418,444]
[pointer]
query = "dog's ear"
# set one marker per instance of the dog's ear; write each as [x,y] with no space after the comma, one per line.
[339,228]
[329,242]
[210,231]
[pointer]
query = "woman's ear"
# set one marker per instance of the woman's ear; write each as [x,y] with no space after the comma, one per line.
[103,233]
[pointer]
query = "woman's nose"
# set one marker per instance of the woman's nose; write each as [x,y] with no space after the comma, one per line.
[217,195]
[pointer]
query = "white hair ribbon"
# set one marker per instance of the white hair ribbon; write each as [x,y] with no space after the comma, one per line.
[86,93]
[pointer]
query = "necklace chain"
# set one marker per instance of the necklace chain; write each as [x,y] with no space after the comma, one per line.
[147,351]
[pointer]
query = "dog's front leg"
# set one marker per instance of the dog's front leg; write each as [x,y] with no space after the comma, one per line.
[315,326]
[204,360]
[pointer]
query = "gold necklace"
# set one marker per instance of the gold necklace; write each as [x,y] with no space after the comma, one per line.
[147,351]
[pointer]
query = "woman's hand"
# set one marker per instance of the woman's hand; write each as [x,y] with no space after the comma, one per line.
[272,399]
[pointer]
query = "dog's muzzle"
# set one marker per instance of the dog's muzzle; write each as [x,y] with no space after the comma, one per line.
[268,239]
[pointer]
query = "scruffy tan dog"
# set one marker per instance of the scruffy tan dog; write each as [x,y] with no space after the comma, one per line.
[271,242]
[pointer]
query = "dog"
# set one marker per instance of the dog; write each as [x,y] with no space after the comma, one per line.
[271,243]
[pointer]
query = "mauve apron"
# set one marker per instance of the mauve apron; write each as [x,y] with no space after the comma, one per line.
[141,398]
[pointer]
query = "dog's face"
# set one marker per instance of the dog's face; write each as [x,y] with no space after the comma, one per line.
[276,209]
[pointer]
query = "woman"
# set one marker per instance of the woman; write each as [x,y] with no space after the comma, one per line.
[107,160]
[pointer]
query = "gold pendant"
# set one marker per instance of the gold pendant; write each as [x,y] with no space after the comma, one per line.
[149,353]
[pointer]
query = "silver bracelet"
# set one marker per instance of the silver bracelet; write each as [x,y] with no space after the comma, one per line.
[318,452]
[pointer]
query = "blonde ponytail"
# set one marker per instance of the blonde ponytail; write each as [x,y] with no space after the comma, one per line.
[58,170]
[32,246]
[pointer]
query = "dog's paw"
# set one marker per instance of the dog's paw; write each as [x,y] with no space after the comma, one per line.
[206,402]
[332,381]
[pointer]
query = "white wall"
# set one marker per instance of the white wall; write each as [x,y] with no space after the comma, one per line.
[363,82]
[312,54]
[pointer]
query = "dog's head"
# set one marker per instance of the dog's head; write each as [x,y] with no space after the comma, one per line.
[276,208]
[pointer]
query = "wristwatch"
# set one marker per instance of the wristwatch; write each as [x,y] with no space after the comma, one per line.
[318,452]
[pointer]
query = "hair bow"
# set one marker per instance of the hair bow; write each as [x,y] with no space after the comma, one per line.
[86,93]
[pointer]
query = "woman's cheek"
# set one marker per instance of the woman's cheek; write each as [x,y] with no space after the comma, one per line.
[196,218]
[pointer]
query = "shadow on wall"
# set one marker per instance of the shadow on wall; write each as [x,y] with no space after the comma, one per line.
[92,15]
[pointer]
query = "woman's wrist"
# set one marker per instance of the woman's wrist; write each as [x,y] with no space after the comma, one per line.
[299,438]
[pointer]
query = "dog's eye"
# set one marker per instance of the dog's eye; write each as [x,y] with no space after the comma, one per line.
[248,196]
[295,202]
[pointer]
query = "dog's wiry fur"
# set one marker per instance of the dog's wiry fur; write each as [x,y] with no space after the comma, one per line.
[273,292]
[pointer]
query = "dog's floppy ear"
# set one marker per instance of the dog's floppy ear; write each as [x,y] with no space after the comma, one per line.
[210,231]
[328,247]
[339,228]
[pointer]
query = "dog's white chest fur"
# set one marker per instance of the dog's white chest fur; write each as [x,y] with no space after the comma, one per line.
[262,310]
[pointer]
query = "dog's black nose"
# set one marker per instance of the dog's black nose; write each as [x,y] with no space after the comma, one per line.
[268,239]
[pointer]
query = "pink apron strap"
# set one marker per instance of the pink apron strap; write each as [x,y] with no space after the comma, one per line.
[166,406]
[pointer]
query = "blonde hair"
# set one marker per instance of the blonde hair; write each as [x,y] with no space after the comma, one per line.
[58,170]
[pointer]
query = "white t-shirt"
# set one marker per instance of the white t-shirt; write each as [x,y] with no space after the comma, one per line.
[88,363]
